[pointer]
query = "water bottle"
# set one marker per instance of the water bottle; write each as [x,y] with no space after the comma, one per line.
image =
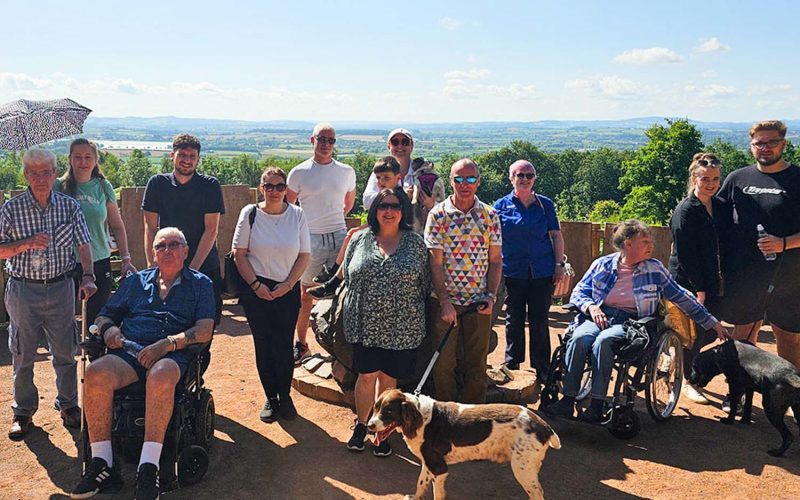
[761,234]
[94,330]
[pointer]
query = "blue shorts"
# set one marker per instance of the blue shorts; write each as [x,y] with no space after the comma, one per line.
[180,358]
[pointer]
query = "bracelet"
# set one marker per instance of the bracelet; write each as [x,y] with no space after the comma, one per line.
[784,244]
[91,275]
[105,328]
[173,342]
[259,286]
[126,257]
[253,282]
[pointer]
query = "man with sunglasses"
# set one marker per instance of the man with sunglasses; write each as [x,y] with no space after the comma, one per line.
[767,193]
[192,202]
[464,240]
[326,191]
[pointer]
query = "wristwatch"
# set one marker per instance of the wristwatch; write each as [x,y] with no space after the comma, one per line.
[91,275]
[491,295]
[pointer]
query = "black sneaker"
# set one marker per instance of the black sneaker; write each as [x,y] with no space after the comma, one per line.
[564,407]
[98,478]
[299,352]
[147,482]
[326,273]
[382,450]
[356,442]
[287,411]
[327,290]
[269,412]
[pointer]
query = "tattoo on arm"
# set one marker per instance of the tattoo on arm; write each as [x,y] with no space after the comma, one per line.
[191,336]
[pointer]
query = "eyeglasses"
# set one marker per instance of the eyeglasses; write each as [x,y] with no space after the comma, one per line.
[766,144]
[325,140]
[274,187]
[525,175]
[708,163]
[405,141]
[390,206]
[172,245]
[472,179]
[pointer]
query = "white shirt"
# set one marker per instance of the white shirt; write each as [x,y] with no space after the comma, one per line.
[321,190]
[372,190]
[274,242]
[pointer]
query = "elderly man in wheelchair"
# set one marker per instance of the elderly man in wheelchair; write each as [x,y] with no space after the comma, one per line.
[147,326]
[627,284]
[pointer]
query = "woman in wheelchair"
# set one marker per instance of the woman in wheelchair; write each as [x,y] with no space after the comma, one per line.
[626,284]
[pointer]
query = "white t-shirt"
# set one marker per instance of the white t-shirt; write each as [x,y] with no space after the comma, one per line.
[321,190]
[274,242]
[371,191]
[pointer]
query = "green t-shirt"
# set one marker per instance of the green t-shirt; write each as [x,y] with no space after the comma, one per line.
[93,196]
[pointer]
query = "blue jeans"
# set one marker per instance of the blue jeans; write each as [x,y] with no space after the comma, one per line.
[34,308]
[588,336]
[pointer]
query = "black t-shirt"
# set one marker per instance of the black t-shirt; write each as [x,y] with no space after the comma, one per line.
[184,206]
[755,197]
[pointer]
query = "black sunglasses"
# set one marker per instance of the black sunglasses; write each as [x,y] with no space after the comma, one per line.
[326,140]
[172,245]
[276,187]
[389,206]
[405,141]
[706,163]
[525,175]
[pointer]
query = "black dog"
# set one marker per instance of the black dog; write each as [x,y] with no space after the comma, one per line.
[749,369]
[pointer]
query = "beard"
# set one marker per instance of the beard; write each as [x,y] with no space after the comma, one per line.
[768,162]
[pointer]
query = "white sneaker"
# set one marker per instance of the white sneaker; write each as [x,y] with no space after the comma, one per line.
[695,394]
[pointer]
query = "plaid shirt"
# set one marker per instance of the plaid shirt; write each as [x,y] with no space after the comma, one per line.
[62,220]
[651,282]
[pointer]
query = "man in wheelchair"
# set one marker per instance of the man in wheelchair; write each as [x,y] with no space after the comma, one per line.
[146,326]
[627,284]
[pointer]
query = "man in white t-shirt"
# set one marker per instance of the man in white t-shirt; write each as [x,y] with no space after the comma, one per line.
[326,190]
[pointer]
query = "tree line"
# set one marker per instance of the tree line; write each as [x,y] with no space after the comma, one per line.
[602,185]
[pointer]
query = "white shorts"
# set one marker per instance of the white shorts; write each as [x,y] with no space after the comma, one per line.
[324,250]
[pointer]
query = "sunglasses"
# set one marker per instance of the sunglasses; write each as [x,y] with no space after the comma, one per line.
[274,187]
[472,179]
[325,140]
[390,206]
[405,141]
[768,144]
[172,245]
[708,163]
[525,175]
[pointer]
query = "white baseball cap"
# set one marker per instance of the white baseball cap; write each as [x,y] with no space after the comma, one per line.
[399,131]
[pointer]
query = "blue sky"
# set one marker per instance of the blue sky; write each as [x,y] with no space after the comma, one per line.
[412,61]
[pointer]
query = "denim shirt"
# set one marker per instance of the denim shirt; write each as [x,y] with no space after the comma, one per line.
[526,239]
[651,282]
[146,319]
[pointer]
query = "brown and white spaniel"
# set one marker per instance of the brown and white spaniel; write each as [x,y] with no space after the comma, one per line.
[445,433]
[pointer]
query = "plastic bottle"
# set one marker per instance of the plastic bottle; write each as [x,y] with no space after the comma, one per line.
[761,234]
[94,330]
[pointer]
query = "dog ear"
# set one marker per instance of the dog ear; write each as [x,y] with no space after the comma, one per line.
[412,419]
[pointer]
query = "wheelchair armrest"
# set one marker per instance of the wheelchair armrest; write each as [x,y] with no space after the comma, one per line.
[197,349]
[570,307]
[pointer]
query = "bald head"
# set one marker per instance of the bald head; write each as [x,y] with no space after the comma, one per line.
[521,166]
[465,167]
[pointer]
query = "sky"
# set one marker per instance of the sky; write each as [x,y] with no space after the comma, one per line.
[412,61]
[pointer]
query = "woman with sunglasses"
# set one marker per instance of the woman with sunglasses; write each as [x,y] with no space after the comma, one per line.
[86,183]
[387,276]
[533,262]
[696,259]
[271,253]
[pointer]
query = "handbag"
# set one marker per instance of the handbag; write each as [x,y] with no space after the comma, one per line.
[234,284]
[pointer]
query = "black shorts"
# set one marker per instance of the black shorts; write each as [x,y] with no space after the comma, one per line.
[180,358]
[398,364]
[746,300]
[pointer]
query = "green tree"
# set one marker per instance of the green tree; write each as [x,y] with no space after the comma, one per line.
[362,163]
[11,171]
[494,171]
[605,211]
[791,153]
[167,165]
[138,170]
[247,170]
[661,167]
[112,167]
[596,177]
[218,167]
[730,156]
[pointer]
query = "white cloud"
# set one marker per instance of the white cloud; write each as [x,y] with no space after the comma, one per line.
[472,74]
[610,86]
[450,24]
[709,73]
[21,81]
[711,91]
[196,87]
[459,89]
[711,45]
[653,55]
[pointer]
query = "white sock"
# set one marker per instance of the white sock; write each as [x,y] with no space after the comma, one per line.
[151,453]
[102,449]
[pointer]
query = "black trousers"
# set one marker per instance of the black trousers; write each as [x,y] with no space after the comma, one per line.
[529,298]
[272,324]
[104,281]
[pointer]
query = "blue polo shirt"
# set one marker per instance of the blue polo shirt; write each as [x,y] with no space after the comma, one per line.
[146,319]
[526,241]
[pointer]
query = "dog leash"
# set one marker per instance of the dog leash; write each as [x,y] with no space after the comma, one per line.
[770,288]
[472,308]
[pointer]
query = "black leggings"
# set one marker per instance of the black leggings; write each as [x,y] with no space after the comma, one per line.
[272,324]
[104,280]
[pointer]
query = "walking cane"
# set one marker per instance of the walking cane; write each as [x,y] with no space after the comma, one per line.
[84,329]
[472,308]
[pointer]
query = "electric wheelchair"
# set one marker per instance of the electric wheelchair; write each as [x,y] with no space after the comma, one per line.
[184,458]
[656,369]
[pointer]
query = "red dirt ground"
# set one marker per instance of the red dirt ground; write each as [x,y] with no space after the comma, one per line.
[690,456]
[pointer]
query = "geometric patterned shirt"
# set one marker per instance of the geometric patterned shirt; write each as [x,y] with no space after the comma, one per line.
[464,239]
[62,220]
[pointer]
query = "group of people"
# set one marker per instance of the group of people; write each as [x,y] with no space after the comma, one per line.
[398,285]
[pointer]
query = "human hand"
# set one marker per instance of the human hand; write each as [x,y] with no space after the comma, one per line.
[410,192]
[424,199]
[263,293]
[38,241]
[281,289]
[722,332]
[598,317]
[152,353]
[487,309]
[701,297]
[88,288]
[448,313]
[127,268]
[770,244]
[558,275]
[113,337]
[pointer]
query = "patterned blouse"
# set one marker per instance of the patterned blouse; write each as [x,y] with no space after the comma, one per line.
[384,305]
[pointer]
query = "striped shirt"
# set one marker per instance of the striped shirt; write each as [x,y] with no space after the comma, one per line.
[651,283]
[62,220]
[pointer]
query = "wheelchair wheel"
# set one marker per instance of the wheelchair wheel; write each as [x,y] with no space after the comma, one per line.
[624,423]
[192,465]
[204,421]
[664,377]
